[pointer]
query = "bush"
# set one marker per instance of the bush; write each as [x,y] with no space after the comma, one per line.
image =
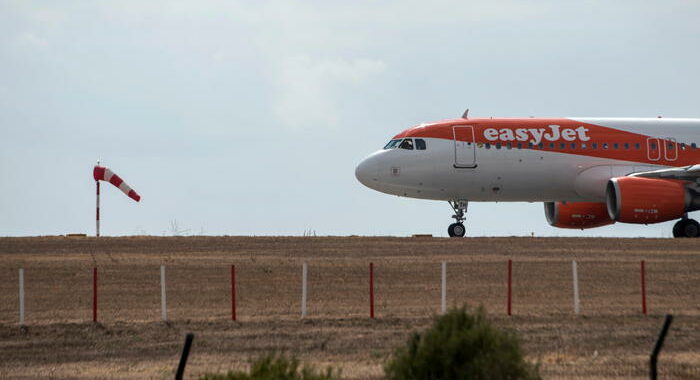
[460,345]
[276,367]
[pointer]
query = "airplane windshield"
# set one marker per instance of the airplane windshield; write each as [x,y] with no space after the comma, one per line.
[406,144]
[392,144]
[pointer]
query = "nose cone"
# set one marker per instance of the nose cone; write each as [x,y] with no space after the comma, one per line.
[367,172]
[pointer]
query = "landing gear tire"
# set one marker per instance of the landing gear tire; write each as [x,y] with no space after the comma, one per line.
[456,230]
[686,228]
[460,208]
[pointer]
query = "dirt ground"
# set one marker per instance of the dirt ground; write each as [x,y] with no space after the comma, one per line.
[609,339]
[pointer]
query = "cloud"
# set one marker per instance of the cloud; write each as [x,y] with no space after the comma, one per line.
[307,89]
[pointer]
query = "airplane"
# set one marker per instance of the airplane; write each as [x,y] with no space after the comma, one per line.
[588,172]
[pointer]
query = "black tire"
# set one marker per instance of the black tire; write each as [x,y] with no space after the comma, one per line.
[456,230]
[686,228]
[691,228]
[677,228]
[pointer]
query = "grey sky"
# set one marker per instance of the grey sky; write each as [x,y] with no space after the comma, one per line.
[249,117]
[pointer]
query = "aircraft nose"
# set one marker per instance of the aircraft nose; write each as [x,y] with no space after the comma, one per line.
[367,171]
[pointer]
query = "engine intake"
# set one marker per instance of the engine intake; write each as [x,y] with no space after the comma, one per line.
[579,215]
[648,200]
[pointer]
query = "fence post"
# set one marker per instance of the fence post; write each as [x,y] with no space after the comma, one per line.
[21,296]
[657,347]
[577,304]
[183,358]
[510,285]
[304,273]
[642,274]
[163,307]
[94,294]
[371,290]
[443,293]
[233,292]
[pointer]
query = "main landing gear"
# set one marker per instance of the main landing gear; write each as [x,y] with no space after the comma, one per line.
[686,228]
[457,229]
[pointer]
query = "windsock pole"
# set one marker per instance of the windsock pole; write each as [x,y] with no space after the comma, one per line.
[101,173]
[97,210]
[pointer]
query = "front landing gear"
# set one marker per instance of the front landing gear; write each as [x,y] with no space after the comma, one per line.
[688,228]
[457,229]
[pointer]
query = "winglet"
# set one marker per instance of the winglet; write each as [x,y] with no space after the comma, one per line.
[465,115]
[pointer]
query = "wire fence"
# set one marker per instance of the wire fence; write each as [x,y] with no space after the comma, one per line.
[322,289]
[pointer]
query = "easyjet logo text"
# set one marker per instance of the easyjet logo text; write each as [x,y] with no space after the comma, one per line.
[537,135]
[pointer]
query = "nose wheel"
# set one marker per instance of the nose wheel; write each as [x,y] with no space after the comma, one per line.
[457,229]
[686,228]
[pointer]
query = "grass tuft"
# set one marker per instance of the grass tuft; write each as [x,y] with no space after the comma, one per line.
[276,367]
[460,345]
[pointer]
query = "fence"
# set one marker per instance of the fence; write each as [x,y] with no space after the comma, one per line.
[238,296]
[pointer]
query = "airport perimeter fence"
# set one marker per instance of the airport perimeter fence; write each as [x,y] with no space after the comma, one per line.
[195,302]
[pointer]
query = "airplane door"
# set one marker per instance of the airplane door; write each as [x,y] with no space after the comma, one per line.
[653,149]
[671,149]
[465,149]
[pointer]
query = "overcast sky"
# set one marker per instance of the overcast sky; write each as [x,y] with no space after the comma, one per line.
[248,118]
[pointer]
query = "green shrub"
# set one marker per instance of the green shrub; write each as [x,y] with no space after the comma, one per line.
[276,367]
[460,345]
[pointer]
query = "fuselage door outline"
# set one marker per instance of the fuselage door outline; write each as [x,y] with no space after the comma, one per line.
[670,149]
[465,146]
[653,149]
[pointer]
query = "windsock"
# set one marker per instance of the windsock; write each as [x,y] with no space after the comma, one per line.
[101,173]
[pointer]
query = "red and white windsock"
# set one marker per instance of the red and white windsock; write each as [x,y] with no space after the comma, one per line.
[101,173]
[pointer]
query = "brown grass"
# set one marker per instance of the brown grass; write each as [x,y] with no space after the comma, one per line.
[611,339]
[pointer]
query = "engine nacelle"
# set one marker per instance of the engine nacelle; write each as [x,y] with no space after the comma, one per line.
[577,214]
[647,200]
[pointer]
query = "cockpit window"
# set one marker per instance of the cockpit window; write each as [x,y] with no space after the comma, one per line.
[420,144]
[392,144]
[406,144]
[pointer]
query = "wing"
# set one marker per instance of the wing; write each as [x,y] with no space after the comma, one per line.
[686,173]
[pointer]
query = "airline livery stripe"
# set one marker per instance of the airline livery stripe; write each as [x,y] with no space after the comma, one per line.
[565,136]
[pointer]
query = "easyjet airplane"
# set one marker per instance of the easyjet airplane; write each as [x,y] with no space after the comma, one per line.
[589,172]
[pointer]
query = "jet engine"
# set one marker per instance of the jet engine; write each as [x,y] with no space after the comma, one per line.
[577,214]
[648,200]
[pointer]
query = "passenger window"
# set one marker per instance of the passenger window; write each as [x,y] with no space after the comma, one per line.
[562,146]
[583,145]
[530,145]
[509,146]
[487,145]
[653,146]
[573,145]
[541,145]
[498,145]
[594,146]
[605,145]
[616,145]
[693,146]
[682,146]
[671,146]
[551,145]
[520,145]
[627,146]
[637,146]
[420,144]
[406,144]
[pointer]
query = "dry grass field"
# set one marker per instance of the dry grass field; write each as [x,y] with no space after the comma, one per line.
[609,339]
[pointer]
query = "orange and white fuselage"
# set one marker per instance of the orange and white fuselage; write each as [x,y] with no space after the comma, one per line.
[530,159]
